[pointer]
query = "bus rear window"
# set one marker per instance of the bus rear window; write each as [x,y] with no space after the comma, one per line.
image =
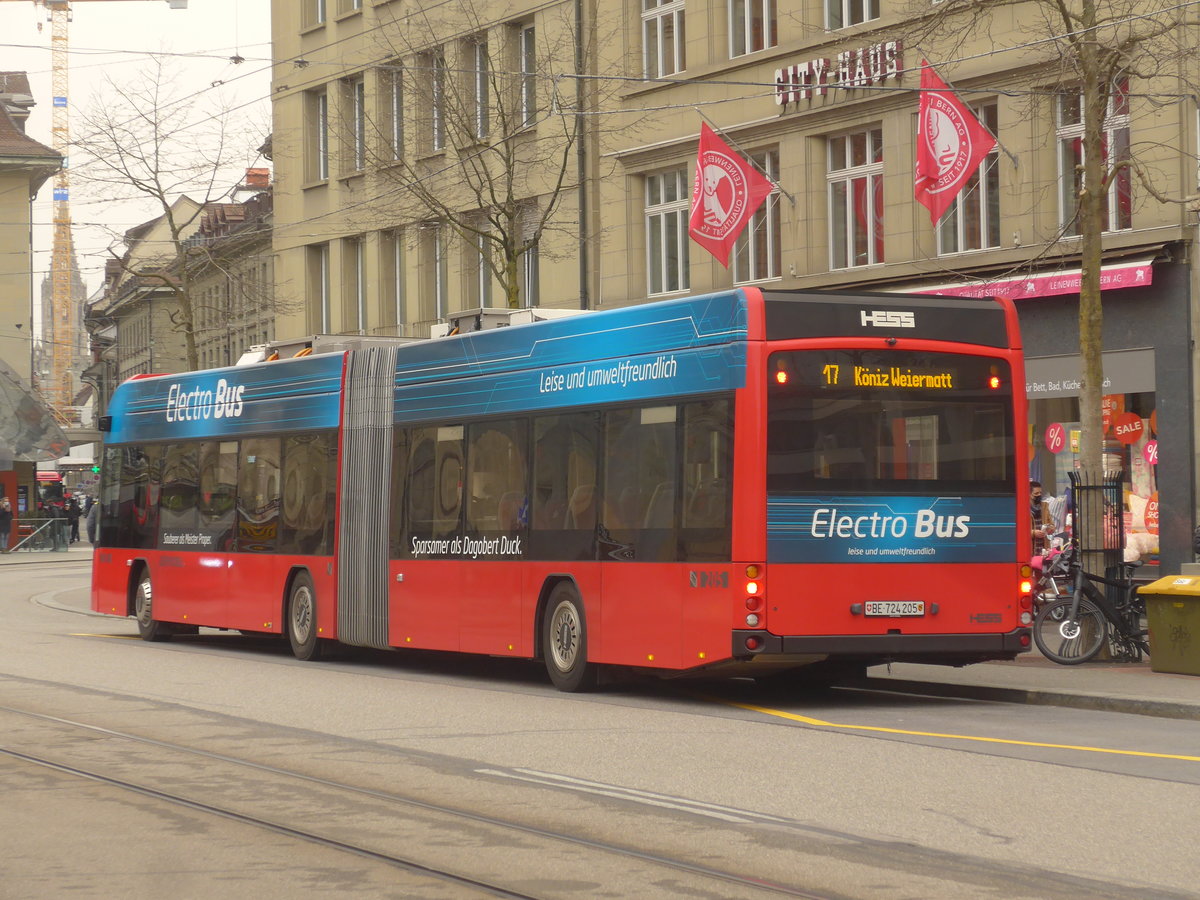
[888,421]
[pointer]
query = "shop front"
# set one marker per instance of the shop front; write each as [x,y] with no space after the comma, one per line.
[1130,446]
[1148,394]
[1147,405]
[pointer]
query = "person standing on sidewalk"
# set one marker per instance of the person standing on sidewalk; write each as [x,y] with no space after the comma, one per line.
[1040,514]
[93,516]
[6,518]
[73,515]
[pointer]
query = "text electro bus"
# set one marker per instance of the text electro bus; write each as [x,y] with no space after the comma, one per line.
[744,481]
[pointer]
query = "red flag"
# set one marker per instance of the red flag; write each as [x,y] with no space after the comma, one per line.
[950,144]
[725,194]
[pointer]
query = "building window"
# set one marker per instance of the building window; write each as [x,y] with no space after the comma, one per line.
[841,13]
[480,261]
[1118,201]
[667,203]
[349,6]
[856,199]
[972,221]
[356,133]
[662,38]
[480,79]
[753,25]
[759,249]
[318,288]
[314,13]
[528,69]
[391,258]
[434,272]
[319,136]
[433,66]
[354,285]
[391,101]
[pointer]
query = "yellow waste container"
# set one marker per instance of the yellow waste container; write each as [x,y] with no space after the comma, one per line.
[1173,614]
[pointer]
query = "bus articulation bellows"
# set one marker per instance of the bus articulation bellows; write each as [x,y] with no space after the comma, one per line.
[742,482]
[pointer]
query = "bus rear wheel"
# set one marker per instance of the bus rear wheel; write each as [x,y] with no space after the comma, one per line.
[143,609]
[564,641]
[302,619]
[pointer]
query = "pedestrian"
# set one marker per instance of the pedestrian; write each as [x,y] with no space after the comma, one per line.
[73,515]
[1038,512]
[93,516]
[6,517]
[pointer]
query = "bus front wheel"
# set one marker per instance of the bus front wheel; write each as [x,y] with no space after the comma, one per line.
[564,641]
[302,619]
[143,610]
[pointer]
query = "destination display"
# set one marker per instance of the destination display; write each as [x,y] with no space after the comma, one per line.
[888,371]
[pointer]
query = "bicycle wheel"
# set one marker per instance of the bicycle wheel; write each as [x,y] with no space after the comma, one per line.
[1068,641]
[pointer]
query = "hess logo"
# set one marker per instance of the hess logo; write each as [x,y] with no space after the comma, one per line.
[888,318]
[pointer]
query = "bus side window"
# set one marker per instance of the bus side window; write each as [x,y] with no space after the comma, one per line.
[707,464]
[307,494]
[496,474]
[397,510]
[564,472]
[419,496]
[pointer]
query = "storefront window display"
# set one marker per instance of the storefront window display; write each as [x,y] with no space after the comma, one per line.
[1130,446]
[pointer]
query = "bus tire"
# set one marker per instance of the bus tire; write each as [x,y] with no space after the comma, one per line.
[564,641]
[302,619]
[143,610]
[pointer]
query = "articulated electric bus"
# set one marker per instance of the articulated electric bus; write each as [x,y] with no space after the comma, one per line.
[744,482]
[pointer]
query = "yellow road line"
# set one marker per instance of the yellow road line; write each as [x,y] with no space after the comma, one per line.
[808,720]
[123,637]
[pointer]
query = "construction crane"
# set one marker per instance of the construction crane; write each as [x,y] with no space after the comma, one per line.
[60,333]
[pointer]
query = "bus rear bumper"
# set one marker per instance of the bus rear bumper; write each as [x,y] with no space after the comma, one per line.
[950,648]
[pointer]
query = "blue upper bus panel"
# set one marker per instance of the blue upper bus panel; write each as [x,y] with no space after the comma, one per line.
[289,395]
[694,345]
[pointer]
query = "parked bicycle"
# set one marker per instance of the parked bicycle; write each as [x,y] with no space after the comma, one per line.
[1071,630]
[1053,579]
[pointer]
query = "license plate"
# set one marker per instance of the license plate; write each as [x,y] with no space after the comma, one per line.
[895,608]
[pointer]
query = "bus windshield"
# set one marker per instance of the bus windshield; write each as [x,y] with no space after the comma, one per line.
[888,421]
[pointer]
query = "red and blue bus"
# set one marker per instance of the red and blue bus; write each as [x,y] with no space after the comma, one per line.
[743,482]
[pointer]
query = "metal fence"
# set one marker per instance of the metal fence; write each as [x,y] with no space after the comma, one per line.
[1098,522]
[43,535]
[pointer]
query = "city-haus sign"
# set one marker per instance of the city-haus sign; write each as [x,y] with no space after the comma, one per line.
[858,68]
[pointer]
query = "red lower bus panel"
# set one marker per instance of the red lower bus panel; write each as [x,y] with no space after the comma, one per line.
[818,599]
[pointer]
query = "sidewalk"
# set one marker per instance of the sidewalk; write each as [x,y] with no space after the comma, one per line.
[80,551]
[1116,687]
[1031,678]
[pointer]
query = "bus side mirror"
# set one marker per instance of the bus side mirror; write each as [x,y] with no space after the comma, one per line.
[105,423]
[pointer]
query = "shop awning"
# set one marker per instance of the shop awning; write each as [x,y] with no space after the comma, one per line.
[1133,272]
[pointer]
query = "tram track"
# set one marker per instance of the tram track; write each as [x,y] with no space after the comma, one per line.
[568,851]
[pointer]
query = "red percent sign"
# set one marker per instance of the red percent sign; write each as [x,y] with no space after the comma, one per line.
[1056,438]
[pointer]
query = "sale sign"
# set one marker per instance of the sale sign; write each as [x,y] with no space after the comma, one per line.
[1128,428]
[1152,513]
[1111,405]
[1056,438]
[1150,452]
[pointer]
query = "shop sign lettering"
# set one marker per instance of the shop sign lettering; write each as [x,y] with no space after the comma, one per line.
[857,68]
[1128,428]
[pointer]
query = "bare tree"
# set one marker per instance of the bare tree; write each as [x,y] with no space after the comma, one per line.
[146,140]
[1087,52]
[492,151]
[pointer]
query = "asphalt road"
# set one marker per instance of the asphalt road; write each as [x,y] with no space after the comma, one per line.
[221,766]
